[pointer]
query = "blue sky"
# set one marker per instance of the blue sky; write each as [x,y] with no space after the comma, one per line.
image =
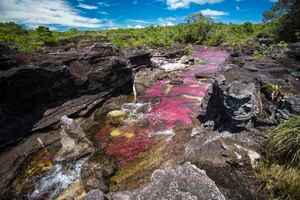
[110,14]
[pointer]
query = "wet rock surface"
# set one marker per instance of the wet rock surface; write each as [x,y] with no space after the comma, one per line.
[141,146]
[52,83]
[184,182]
[74,141]
[96,171]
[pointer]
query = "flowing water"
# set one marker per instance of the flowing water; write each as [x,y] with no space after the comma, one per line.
[143,134]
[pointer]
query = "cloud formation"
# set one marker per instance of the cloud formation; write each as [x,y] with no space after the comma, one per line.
[212,13]
[175,4]
[45,12]
[88,7]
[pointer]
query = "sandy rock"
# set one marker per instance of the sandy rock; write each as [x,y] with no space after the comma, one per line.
[179,182]
[73,140]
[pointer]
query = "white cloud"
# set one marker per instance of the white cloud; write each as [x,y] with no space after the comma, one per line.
[209,12]
[45,12]
[139,21]
[139,26]
[166,21]
[135,2]
[136,26]
[174,4]
[88,7]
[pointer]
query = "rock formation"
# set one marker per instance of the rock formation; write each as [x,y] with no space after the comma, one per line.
[235,103]
[38,89]
[73,140]
[178,182]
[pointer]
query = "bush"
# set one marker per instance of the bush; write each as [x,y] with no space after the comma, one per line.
[284,143]
[196,29]
[284,16]
[279,181]
[279,172]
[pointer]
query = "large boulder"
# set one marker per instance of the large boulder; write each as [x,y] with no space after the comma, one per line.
[236,104]
[73,140]
[180,182]
[227,158]
[184,181]
[240,102]
[50,84]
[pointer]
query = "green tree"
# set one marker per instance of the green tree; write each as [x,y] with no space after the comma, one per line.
[45,35]
[248,27]
[196,29]
[285,18]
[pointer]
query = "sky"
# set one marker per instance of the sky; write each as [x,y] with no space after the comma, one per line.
[62,15]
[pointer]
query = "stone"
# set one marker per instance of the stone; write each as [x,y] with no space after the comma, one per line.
[240,102]
[96,171]
[227,160]
[116,116]
[40,88]
[176,82]
[138,57]
[179,182]
[235,104]
[74,142]
[220,79]
[94,195]
[294,50]
[201,75]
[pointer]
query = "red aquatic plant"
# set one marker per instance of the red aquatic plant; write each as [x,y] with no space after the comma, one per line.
[126,150]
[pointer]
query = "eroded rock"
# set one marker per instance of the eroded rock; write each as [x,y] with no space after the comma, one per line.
[179,182]
[96,171]
[73,140]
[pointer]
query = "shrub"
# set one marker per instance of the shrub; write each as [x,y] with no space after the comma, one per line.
[284,143]
[284,16]
[279,181]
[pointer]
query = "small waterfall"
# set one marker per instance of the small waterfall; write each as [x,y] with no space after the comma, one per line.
[57,180]
[134,93]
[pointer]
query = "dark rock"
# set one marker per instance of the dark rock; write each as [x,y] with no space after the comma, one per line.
[294,50]
[235,104]
[145,77]
[7,58]
[46,86]
[176,82]
[251,68]
[240,102]
[138,57]
[212,106]
[203,75]
[96,171]
[296,74]
[220,79]
[226,161]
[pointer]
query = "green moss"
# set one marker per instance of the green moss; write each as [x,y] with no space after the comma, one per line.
[37,165]
[280,182]
[132,175]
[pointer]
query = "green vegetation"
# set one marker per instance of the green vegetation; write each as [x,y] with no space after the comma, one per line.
[272,49]
[281,24]
[198,29]
[280,171]
[284,18]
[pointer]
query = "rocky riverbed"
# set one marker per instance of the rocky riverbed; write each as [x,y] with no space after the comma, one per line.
[71,129]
